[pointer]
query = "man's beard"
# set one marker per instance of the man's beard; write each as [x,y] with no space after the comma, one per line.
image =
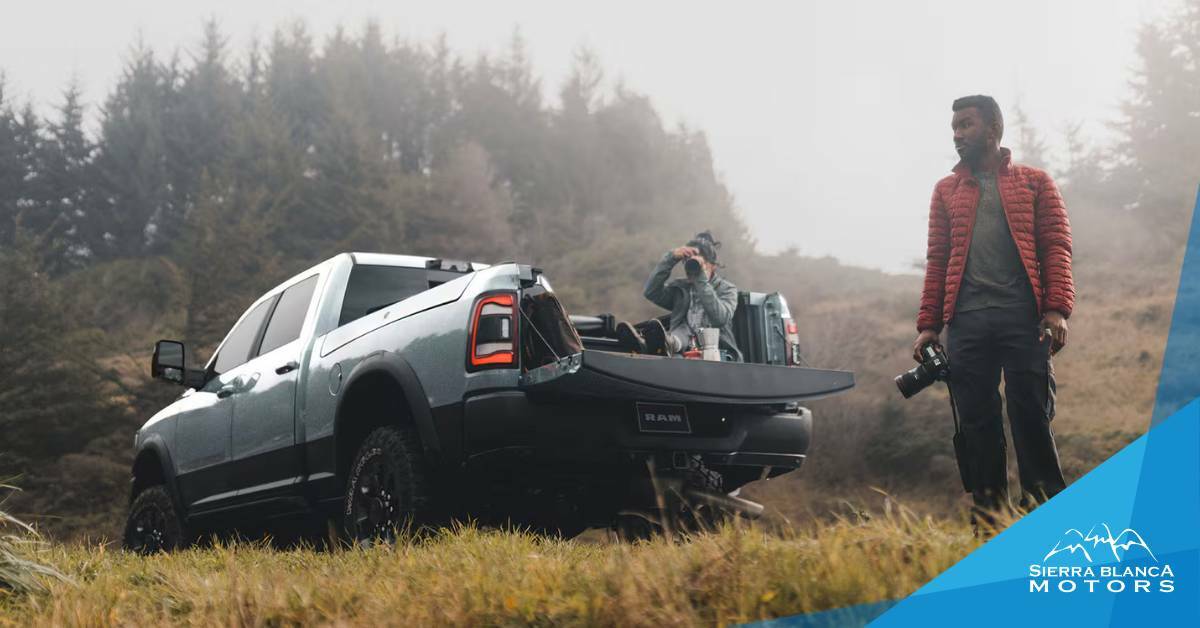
[970,152]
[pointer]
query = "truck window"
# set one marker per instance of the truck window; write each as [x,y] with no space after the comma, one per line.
[240,341]
[288,317]
[373,287]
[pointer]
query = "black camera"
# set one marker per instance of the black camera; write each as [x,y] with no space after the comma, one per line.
[933,367]
[693,267]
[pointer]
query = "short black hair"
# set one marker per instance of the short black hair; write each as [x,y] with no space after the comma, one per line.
[707,244]
[987,108]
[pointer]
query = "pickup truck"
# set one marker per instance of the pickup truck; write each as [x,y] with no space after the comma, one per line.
[377,391]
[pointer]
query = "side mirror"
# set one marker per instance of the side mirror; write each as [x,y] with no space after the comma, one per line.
[167,363]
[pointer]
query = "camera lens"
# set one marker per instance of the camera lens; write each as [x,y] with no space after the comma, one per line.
[914,381]
[692,266]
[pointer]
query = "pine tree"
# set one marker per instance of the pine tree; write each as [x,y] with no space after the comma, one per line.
[13,169]
[1030,143]
[134,185]
[462,214]
[224,260]
[198,129]
[1161,125]
[54,397]
[63,214]
[292,85]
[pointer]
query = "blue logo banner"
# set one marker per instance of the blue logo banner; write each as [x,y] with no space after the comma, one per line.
[1179,381]
[1120,546]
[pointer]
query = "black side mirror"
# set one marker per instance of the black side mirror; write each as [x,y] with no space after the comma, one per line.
[167,363]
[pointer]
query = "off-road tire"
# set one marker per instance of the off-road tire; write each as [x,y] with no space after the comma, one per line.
[154,525]
[387,490]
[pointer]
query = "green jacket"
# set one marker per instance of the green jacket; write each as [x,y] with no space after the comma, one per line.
[718,296]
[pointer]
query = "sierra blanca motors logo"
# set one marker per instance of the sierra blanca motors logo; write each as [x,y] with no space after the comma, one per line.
[1085,562]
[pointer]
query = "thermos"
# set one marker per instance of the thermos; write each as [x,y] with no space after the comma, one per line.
[710,338]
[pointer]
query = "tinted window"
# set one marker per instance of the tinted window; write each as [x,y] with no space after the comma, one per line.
[373,287]
[289,315]
[240,341]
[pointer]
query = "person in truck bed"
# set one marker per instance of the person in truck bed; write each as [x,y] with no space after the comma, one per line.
[702,299]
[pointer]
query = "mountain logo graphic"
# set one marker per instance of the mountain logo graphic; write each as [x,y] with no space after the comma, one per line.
[1073,541]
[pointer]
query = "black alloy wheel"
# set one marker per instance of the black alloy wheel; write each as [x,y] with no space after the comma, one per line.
[386,490]
[153,525]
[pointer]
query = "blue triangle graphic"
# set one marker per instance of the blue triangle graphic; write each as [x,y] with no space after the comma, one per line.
[1152,486]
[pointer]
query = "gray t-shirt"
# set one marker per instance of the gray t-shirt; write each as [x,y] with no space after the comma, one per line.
[685,334]
[994,276]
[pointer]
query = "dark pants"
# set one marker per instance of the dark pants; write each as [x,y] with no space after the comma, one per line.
[981,344]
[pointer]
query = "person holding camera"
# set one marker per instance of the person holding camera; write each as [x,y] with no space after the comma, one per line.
[702,299]
[998,274]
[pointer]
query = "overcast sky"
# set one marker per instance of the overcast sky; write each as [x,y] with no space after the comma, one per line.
[828,121]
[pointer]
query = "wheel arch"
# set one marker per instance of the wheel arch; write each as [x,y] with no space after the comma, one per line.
[152,466]
[382,389]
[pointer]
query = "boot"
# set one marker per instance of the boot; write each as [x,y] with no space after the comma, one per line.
[656,338]
[630,338]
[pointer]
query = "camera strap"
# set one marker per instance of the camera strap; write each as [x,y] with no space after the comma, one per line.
[953,406]
[962,451]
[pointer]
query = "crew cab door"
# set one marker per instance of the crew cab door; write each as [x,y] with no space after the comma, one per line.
[203,450]
[266,463]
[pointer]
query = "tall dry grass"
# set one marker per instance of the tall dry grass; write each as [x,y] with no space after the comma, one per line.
[469,576]
[19,575]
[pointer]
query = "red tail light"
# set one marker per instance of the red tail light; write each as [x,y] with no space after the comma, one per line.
[493,342]
[793,342]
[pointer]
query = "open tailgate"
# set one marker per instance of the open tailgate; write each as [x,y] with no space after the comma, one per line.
[650,378]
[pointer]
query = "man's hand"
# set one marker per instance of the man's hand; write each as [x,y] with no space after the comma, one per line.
[684,251]
[1055,326]
[923,339]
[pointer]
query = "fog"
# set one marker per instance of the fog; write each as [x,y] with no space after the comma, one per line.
[828,122]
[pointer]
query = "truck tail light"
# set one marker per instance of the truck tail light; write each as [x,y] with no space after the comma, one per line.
[493,341]
[793,342]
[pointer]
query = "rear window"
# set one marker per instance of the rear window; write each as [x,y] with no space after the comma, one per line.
[374,287]
[289,315]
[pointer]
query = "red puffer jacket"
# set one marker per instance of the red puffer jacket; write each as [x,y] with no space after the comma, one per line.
[1037,219]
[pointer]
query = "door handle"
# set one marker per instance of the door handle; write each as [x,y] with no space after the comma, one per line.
[226,390]
[287,368]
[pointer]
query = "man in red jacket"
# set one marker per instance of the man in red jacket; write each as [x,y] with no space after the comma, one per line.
[998,273]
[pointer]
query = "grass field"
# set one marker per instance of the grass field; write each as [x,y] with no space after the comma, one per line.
[468,576]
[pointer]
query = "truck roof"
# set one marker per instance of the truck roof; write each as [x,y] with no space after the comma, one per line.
[409,261]
[375,259]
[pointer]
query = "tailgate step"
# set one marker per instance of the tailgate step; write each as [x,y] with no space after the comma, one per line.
[650,378]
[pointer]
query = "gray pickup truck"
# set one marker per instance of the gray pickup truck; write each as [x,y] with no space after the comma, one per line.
[378,391]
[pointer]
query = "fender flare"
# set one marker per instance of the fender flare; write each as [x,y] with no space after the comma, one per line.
[155,444]
[395,366]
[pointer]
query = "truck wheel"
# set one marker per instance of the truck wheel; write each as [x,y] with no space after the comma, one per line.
[153,525]
[387,487]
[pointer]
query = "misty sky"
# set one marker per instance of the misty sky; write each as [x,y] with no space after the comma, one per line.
[828,121]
